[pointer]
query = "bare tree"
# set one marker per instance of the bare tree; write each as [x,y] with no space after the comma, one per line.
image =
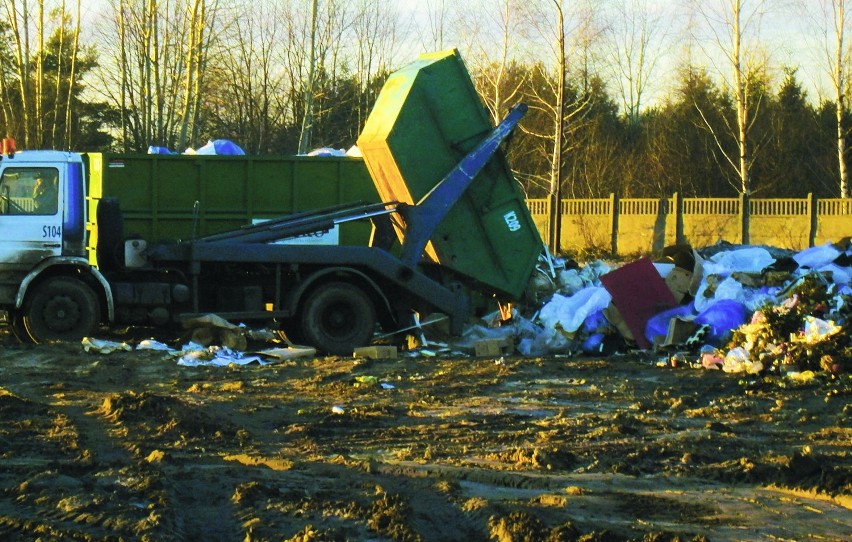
[638,42]
[247,97]
[19,20]
[75,47]
[319,42]
[198,41]
[840,82]
[438,12]
[493,33]
[39,101]
[377,31]
[565,41]
[9,117]
[57,86]
[308,117]
[831,25]
[731,27]
[39,77]
[156,73]
[558,134]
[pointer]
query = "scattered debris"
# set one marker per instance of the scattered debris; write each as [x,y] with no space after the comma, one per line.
[194,355]
[494,347]
[151,344]
[103,347]
[737,309]
[638,292]
[287,353]
[375,352]
[212,329]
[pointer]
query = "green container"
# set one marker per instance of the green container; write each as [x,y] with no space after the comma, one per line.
[157,193]
[427,117]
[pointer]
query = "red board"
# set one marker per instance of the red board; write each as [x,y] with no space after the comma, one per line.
[638,292]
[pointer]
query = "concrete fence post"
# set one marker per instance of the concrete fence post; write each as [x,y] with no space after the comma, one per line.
[614,212]
[677,211]
[814,219]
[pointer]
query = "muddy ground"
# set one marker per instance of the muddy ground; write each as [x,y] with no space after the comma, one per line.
[131,446]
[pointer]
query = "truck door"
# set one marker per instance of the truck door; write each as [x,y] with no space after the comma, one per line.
[30,217]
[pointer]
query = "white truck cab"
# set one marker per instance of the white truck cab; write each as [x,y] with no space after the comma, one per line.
[48,290]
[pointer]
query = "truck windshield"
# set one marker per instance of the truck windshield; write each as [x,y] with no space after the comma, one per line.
[29,191]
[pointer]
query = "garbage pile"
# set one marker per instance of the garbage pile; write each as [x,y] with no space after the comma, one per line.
[735,308]
[221,147]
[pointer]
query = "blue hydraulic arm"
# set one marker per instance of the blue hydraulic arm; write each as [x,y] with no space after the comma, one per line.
[423,218]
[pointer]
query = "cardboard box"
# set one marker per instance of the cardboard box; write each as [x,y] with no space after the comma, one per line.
[679,280]
[375,352]
[686,257]
[493,347]
[680,329]
[614,317]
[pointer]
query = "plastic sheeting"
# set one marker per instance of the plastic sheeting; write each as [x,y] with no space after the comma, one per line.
[569,313]
[731,289]
[658,325]
[815,257]
[745,260]
[220,147]
[327,151]
[153,149]
[223,147]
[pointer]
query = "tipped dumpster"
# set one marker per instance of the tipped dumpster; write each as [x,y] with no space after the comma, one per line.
[427,118]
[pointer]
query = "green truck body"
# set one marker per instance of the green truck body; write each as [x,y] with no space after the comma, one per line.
[180,197]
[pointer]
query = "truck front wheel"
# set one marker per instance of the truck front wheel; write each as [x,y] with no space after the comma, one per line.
[337,317]
[60,309]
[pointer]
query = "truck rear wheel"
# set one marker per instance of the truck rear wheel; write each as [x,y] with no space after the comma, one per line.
[60,309]
[337,317]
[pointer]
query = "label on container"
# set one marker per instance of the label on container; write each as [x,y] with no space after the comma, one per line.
[511,219]
[330,237]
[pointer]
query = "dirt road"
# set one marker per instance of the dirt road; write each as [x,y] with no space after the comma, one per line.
[131,446]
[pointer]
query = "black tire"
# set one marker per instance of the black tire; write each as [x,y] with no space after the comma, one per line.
[337,317]
[61,309]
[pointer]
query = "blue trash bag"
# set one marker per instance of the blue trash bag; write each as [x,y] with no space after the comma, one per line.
[659,325]
[593,344]
[723,316]
[223,147]
[595,322]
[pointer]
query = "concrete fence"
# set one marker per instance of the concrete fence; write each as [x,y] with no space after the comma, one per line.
[626,226]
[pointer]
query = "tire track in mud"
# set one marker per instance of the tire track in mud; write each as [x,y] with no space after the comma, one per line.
[55,483]
[104,475]
[614,501]
[170,437]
